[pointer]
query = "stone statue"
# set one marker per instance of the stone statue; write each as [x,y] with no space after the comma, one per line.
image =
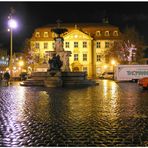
[55,63]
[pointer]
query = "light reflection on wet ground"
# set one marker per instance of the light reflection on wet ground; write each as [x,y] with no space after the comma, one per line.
[109,114]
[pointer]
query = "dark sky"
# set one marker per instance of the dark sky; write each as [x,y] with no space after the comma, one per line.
[36,14]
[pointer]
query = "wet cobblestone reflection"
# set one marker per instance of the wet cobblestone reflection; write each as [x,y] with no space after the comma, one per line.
[106,115]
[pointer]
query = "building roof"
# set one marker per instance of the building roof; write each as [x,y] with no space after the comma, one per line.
[87,28]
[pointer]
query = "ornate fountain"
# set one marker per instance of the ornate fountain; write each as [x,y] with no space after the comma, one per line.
[59,50]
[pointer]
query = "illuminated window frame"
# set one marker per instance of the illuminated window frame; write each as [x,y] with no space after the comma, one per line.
[75,44]
[53,45]
[106,33]
[115,33]
[98,44]
[98,58]
[107,44]
[45,34]
[37,34]
[98,33]
[76,57]
[84,44]
[46,45]
[66,44]
[84,57]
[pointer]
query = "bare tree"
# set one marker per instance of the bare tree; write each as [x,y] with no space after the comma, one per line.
[128,49]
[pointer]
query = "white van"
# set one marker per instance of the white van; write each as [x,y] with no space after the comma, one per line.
[130,72]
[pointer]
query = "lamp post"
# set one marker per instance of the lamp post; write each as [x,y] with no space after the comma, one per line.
[12,24]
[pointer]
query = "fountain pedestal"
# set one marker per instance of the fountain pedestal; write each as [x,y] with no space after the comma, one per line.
[53,81]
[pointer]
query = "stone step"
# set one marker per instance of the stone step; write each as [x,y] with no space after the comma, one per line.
[32,83]
[39,74]
[38,78]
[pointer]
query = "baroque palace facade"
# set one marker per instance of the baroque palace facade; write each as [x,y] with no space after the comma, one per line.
[87,43]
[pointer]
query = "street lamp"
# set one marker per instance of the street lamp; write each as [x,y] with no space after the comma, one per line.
[12,24]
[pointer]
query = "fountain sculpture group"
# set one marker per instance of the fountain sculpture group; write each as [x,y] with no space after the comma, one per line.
[58,73]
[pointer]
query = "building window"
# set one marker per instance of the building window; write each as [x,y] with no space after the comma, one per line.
[84,57]
[106,44]
[98,33]
[84,44]
[37,34]
[45,45]
[98,45]
[98,58]
[37,45]
[66,44]
[85,69]
[75,57]
[106,33]
[53,45]
[115,33]
[75,44]
[45,34]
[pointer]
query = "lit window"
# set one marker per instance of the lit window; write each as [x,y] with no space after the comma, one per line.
[85,69]
[75,57]
[84,44]
[53,45]
[37,45]
[98,33]
[45,34]
[98,45]
[115,33]
[106,33]
[75,44]
[37,34]
[45,45]
[98,58]
[84,57]
[106,44]
[66,44]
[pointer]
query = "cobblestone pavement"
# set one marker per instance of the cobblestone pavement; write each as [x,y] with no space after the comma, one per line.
[106,115]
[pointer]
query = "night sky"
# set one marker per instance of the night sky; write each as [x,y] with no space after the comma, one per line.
[31,15]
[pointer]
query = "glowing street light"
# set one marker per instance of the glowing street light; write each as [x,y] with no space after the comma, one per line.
[21,63]
[113,62]
[12,23]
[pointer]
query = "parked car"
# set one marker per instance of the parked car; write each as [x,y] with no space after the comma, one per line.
[107,75]
[143,82]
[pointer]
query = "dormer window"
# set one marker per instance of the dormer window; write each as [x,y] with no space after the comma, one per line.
[115,33]
[45,34]
[37,34]
[106,33]
[98,33]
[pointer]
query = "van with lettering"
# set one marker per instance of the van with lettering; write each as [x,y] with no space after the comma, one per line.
[130,72]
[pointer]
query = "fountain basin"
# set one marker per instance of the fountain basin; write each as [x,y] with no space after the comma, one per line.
[64,79]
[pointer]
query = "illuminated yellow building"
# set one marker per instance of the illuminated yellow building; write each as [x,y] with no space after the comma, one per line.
[87,42]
